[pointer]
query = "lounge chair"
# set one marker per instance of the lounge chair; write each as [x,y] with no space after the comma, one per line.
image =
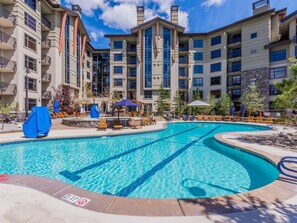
[258,119]
[212,118]
[269,120]
[219,118]
[102,124]
[53,116]
[227,118]
[236,119]
[59,115]
[192,118]
[117,125]
[205,118]
[134,125]
[186,118]
[200,118]
[65,114]
[250,119]
[144,121]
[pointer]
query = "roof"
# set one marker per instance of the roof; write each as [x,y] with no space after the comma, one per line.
[119,35]
[278,43]
[292,15]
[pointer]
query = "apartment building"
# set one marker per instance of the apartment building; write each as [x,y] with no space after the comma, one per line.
[159,52]
[47,42]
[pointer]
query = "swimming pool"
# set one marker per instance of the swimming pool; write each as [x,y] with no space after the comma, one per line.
[183,161]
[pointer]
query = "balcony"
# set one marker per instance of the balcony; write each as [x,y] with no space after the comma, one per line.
[7,19]
[45,61]
[7,89]
[183,61]
[7,42]
[46,78]
[45,24]
[132,76]
[8,2]
[45,43]
[234,68]
[183,76]
[7,66]
[183,49]
[294,40]
[234,55]
[132,61]
[132,50]
[233,83]
[234,40]
[46,95]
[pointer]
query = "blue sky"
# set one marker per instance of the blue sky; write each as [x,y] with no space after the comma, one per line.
[118,16]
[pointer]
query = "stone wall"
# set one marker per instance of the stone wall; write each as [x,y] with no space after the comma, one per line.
[261,77]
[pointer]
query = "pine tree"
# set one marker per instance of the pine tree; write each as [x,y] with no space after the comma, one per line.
[162,102]
[252,99]
[223,105]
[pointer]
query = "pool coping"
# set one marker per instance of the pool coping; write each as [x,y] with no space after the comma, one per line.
[280,190]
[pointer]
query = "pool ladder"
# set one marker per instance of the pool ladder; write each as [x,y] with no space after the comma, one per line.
[282,167]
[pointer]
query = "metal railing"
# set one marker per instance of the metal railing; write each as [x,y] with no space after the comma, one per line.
[7,15]
[182,61]
[183,48]
[46,42]
[132,50]
[235,68]
[46,59]
[8,88]
[46,77]
[233,83]
[234,54]
[132,60]
[234,40]
[45,22]
[7,64]
[5,38]
[294,39]
[46,95]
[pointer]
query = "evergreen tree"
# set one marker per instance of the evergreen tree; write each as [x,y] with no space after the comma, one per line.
[223,105]
[162,102]
[196,97]
[179,105]
[252,99]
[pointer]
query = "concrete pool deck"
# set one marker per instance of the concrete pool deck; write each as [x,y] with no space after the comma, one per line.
[276,202]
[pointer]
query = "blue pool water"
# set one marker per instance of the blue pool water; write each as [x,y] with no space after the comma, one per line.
[183,161]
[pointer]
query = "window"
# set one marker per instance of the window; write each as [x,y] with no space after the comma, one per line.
[215,81]
[215,67]
[32,84]
[235,94]
[67,50]
[30,63]
[117,82]
[198,43]
[215,54]
[148,57]
[182,60]
[132,84]
[166,57]
[254,35]
[31,4]
[88,75]
[30,42]
[88,64]
[181,71]
[88,53]
[148,94]
[30,21]
[278,55]
[32,103]
[182,84]
[132,60]
[118,44]
[296,50]
[216,40]
[278,72]
[132,72]
[198,56]
[215,93]
[198,82]
[78,57]
[236,66]
[117,69]
[236,53]
[273,90]
[118,57]
[236,80]
[254,51]
[198,69]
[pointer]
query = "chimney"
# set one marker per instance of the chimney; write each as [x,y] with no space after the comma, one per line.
[174,14]
[76,8]
[140,15]
[261,6]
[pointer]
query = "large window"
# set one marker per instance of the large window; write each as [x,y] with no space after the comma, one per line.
[215,81]
[30,63]
[216,40]
[198,82]
[216,54]
[132,72]
[182,71]
[31,4]
[30,42]
[166,57]
[118,82]
[148,94]
[216,93]
[278,55]
[215,67]
[78,66]
[32,84]
[67,50]
[198,69]
[182,84]
[278,72]
[118,57]
[32,103]
[117,69]
[148,56]
[132,84]
[198,43]
[198,56]
[236,66]
[118,44]
[273,90]
[30,21]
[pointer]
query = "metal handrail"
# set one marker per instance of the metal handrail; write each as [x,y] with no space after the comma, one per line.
[281,166]
[5,38]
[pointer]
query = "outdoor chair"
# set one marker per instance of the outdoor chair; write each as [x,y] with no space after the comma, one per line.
[117,125]
[258,119]
[250,119]
[53,116]
[102,125]
[192,118]
[212,118]
[236,119]
[186,117]
[219,118]
[199,117]
[205,118]
[227,118]
[269,120]
[144,121]
[134,125]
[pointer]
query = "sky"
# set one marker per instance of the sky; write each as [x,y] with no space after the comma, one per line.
[119,16]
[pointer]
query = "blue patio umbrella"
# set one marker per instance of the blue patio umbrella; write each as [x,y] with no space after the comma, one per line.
[94,112]
[125,103]
[56,106]
[232,110]
[242,109]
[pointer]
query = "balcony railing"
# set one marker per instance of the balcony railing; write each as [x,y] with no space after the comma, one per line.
[45,22]
[7,15]
[234,40]
[47,95]
[132,50]
[183,48]
[7,64]
[46,42]
[132,75]
[182,61]
[8,88]
[46,60]
[234,68]
[132,61]
[233,83]
[46,77]
[234,54]
[294,39]
[5,38]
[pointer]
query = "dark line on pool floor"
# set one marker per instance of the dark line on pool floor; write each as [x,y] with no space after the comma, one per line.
[138,182]
[73,176]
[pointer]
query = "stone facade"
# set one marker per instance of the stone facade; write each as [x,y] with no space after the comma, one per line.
[259,76]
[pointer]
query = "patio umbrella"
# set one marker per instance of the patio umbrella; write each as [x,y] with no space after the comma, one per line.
[56,106]
[125,103]
[232,110]
[242,109]
[198,104]
[94,112]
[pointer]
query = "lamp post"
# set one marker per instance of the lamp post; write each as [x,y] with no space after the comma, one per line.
[27,89]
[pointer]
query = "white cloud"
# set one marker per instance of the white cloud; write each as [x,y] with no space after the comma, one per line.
[209,3]
[183,19]
[89,6]
[96,35]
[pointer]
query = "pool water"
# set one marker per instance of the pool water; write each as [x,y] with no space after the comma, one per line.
[183,161]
